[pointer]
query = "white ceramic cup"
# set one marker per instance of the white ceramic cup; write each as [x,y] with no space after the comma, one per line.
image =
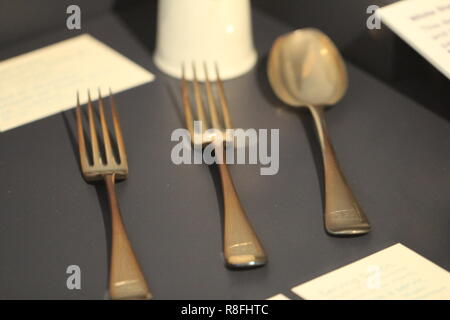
[204,31]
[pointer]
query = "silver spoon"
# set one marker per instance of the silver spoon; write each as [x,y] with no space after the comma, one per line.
[305,69]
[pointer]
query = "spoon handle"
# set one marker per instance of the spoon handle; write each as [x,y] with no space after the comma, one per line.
[343,215]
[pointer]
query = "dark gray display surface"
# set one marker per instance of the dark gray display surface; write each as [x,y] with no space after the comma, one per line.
[394,152]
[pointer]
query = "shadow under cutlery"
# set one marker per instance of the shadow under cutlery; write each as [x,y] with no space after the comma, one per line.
[314,145]
[305,118]
[214,171]
[173,94]
[71,133]
[102,196]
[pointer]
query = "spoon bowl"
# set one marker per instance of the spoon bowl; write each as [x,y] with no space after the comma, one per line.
[305,69]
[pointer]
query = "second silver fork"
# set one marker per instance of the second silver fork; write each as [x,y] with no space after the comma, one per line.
[241,246]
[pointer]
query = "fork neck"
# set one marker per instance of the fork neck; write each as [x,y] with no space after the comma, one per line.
[110,181]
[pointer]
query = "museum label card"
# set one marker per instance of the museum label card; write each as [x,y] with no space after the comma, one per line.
[45,81]
[279,296]
[395,273]
[425,26]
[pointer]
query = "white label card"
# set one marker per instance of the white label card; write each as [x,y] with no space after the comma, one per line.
[45,81]
[425,26]
[395,273]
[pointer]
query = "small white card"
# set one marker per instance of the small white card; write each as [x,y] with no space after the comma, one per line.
[45,81]
[425,26]
[279,296]
[395,273]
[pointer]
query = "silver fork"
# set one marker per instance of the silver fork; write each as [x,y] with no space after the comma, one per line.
[126,280]
[241,246]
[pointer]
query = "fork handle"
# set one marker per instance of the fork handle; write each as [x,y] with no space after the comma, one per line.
[126,280]
[343,215]
[242,248]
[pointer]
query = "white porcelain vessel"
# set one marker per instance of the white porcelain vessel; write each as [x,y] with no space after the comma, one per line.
[210,31]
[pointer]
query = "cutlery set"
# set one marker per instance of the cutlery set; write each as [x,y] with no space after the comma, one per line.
[304,69]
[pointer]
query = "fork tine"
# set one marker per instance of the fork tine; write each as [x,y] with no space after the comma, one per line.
[96,158]
[198,99]
[186,104]
[105,132]
[80,133]
[223,100]
[117,130]
[211,102]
